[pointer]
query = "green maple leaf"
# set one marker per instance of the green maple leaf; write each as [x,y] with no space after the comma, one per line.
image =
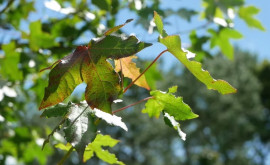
[173,44]
[89,65]
[167,102]
[96,148]
[247,13]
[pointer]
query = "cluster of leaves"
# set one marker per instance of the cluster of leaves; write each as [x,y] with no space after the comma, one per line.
[90,64]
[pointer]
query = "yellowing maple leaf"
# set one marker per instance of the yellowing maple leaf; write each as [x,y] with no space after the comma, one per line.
[131,71]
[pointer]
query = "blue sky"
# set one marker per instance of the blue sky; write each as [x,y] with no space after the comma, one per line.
[254,41]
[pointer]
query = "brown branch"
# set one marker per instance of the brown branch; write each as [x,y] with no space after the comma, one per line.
[121,109]
[145,70]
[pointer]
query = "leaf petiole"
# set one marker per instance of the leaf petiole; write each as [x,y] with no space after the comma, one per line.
[145,70]
[118,110]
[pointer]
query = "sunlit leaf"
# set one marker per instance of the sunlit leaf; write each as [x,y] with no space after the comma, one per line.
[222,39]
[159,24]
[173,89]
[63,147]
[173,43]
[64,78]
[96,148]
[247,14]
[89,65]
[102,84]
[130,70]
[114,29]
[153,108]
[171,104]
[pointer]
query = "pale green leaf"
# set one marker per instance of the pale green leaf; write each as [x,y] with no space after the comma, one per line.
[173,89]
[173,105]
[96,147]
[222,39]
[247,14]
[173,43]
[153,108]
[9,64]
[38,38]
[159,24]
[63,147]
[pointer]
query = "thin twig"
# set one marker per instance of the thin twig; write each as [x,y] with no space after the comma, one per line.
[145,70]
[8,5]
[66,156]
[121,109]
[122,75]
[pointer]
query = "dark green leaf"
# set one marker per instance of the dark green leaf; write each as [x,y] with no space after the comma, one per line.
[58,110]
[103,84]
[101,79]
[103,4]
[115,47]
[79,128]
[64,78]
[114,29]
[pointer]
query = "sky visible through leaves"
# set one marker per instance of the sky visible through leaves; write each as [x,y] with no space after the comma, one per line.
[254,40]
